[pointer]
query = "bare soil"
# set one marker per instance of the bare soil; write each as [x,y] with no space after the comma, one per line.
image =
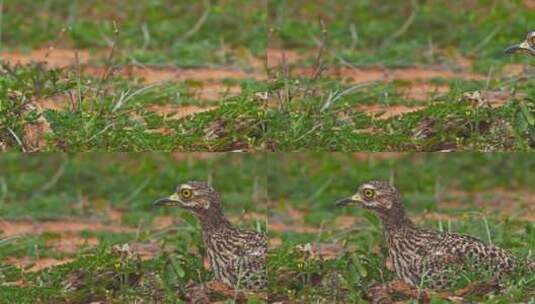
[380,111]
[178,112]
[54,58]
[13,228]
[36,264]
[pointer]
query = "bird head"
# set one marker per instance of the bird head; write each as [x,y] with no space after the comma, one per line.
[195,196]
[526,47]
[378,196]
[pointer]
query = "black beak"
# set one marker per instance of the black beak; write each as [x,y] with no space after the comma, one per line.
[523,48]
[513,49]
[344,202]
[166,201]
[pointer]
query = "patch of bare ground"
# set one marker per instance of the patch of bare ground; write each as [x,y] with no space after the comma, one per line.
[275,242]
[360,75]
[345,221]
[33,133]
[363,156]
[529,4]
[386,292]
[280,57]
[382,111]
[514,69]
[178,112]
[54,58]
[13,228]
[70,243]
[36,264]
[150,75]
[211,87]
[321,251]
[290,219]
[215,91]
[205,83]
[163,221]
[143,251]
[249,217]
[423,91]
[186,156]
[496,98]
[518,205]
[278,226]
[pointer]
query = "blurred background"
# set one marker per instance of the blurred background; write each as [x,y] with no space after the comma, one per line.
[396,34]
[161,32]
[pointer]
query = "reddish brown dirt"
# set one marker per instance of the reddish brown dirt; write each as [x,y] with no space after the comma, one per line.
[70,243]
[275,242]
[65,237]
[54,58]
[424,91]
[364,156]
[163,221]
[278,57]
[216,91]
[359,75]
[201,83]
[514,69]
[36,264]
[380,111]
[178,112]
[323,251]
[12,228]
[210,85]
[496,98]
[185,156]
[345,221]
[519,205]
[529,4]
[278,226]
[150,75]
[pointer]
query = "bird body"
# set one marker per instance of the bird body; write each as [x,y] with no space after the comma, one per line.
[236,257]
[422,257]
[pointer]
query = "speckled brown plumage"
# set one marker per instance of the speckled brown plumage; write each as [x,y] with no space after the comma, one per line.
[236,257]
[422,257]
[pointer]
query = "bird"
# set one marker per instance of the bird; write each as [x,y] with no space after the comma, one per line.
[527,47]
[236,257]
[422,257]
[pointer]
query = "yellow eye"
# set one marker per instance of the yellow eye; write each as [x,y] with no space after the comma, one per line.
[369,193]
[186,193]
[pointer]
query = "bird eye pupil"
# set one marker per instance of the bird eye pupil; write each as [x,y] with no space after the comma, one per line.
[186,193]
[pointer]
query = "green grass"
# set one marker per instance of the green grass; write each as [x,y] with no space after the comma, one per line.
[110,113]
[114,117]
[320,114]
[162,32]
[391,33]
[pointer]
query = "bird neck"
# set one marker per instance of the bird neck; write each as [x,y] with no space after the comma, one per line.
[213,220]
[395,219]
